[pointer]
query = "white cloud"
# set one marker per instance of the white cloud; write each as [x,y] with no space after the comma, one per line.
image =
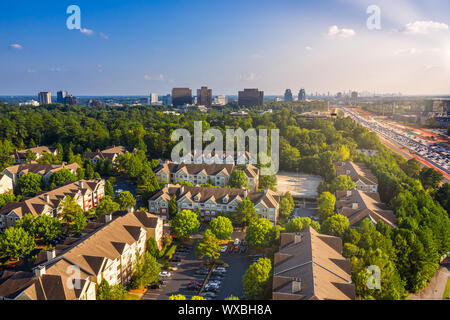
[16,46]
[334,31]
[248,77]
[160,77]
[424,27]
[308,48]
[87,32]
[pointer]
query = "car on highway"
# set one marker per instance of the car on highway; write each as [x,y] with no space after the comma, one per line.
[223,249]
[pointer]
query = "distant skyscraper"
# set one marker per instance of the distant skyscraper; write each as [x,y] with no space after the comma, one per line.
[354,96]
[44,98]
[220,100]
[167,100]
[288,95]
[61,97]
[204,97]
[71,100]
[251,97]
[302,95]
[339,95]
[154,98]
[181,96]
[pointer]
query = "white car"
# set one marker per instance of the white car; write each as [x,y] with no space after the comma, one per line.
[236,242]
[165,274]
[224,249]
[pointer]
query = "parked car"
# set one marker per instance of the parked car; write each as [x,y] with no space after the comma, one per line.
[224,249]
[230,249]
[243,243]
[236,242]
[243,249]
[202,272]
[165,274]
[208,294]
[216,278]
[176,259]
[237,248]
[221,268]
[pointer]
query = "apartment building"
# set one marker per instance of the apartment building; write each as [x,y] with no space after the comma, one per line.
[364,179]
[87,193]
[10,175]
[110,153]
[19,156]
[215,174]
[357,205]
[310,266]
[73,270]
[236,158]
[214,201]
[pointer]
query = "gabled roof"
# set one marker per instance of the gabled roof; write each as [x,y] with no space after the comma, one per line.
[315,261]
[357,171]
[210,169]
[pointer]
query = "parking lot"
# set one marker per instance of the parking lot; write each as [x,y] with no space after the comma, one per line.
[222,283]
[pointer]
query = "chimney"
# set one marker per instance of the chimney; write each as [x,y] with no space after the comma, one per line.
[130,209]
[108,218]
[51,254]
[296,285]
[354,205]
[349,193]
[81,184]
[347,172]
[47,198]
[39,271]
[245,194]
[297,238]
[182,190]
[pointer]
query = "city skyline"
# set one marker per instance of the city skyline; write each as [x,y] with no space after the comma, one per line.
[322,46]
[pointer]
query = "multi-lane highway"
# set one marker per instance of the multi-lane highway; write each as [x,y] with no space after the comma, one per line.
[434,155]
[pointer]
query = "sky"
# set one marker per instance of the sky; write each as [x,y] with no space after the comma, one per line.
[137,47]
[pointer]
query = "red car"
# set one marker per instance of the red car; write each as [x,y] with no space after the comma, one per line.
[195,282]
[230,249]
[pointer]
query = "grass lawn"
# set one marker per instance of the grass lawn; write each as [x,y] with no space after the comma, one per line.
[130,296]
[447,291]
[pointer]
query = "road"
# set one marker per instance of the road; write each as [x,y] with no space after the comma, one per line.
[435,289]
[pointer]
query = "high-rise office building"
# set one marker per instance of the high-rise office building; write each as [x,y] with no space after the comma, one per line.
[61,96]
[220,100]
[71,100]
[302,95]
[354,96]
[288,95]
[204,97]
[167,100]
[181,96]
[251,97]
[44,98]
[154,98]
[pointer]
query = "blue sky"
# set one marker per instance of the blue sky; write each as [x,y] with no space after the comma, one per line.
[138,47]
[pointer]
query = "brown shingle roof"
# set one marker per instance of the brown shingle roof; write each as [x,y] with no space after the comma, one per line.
[357,171]
[316,262]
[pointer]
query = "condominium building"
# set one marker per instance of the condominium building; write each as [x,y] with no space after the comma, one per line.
[19,156]
[110,153]
[213,202]
[364,179]
[310,266]
[108,250]
[86,193]
[288,95]
[215,174]
[302,95]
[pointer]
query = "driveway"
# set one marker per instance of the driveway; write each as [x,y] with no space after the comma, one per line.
[232,282]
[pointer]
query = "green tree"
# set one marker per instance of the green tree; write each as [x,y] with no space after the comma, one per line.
[231,298]
[106,206]
[245,212]
[286,205]
[173,207]
[30,156]
[78,223]
[70,208]
[335,225]
[6,197]
[29,184]
[209,246]
[46,227]
[152,247]
[256,279]
[260,233]
[185,224]
[326,205]
[197,298]
[16,242]
[177,297]
[238,179]
[125,199]
[342,182]
[268,182]
[62,176]
[147,272]
[300,224]
[221,227]
[430,178]
[411,168]
[109,190]
[89,172]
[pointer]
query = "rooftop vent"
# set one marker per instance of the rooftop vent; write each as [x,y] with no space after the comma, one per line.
[108,218]
[51,254]
[297,238]
[296,285]
[39,271]
[354,205]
